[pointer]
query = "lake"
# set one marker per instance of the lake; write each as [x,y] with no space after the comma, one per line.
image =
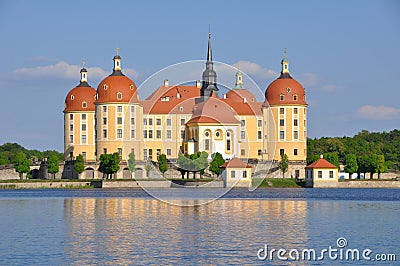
[130,227]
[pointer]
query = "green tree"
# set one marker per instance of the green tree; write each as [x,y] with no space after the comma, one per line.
[132,162]
[53,165]
[312,158]
[4,158]
[79,164]
[21,164]
[351,164]
[333,158]
[380,165]
[148,169]
[109,164]
[162,163]
[217,161]
[193,163]
[283,164]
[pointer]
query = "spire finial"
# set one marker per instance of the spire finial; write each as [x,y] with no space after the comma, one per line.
[209,31]
[117,49]
[284,53]
[83,63]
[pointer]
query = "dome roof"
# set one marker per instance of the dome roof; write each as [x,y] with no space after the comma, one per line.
[80,98]
[238,95]
[285,90]
[117,88]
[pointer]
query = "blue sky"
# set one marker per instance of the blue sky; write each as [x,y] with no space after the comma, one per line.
[345,53]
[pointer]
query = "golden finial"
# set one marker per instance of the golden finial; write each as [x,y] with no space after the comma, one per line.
[83,63]
[117,49]
[284,53]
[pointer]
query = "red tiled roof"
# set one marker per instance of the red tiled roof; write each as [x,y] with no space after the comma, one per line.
[321,163]
[280,87]
[110,86]
[78,95]
[235,163]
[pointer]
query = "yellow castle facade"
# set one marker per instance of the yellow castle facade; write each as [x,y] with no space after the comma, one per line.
[178,119]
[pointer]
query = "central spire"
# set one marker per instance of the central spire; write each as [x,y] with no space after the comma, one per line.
[209,85]
[117,64]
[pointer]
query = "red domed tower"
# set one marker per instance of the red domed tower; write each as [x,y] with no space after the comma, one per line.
[79,120]
[117,106]
[285,109]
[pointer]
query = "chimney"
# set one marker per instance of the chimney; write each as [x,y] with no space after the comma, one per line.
[244,100]
[166,83]
[321,156]
[198,84]
[224,96]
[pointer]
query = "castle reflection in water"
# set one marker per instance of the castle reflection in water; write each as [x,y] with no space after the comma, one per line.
[129,230]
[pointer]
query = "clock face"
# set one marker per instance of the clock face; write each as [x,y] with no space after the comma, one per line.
[288,90]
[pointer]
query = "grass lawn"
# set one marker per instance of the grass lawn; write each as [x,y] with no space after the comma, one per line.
[280,183]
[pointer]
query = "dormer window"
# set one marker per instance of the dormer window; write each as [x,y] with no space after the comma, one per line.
[131,86]
[181,108]
[295,97]
[288,90]
[119,96]
[72,97]
[105,87]
[282,97]
[84,104]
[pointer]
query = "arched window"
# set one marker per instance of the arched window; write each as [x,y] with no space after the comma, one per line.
[72,97]
[282,97]
[105,87]
[131,86]
[84,104]
[119,96]
[207,136]
[228,141]
[295,97]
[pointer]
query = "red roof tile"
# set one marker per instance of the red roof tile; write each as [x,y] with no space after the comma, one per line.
[235,163]
[321,163]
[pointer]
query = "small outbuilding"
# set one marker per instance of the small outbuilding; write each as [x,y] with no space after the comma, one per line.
[236,173]
[321,173]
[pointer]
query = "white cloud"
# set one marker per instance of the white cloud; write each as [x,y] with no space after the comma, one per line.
[254,69]
[308,79]
[65,70]
[380,112]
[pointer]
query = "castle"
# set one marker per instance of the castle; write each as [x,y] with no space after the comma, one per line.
[186,118]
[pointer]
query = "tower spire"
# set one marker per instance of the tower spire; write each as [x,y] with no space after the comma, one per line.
[285,66]
[239,80]
[117,64]
[209,75]
[83,81]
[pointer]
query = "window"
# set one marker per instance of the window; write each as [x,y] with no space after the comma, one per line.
[71,117]
[104,133]
[296,134]
[150,121]
[281,151]
[168,152]
[119,133]
[169,134]
[259,123]
[232,174]
[217,134]
[119,120]
[282,111]
[242,134]
[281,134]
[132,120]
[83,116]
[330,174]
[144,121]
[119,96]
[295,97]
[84,105]
[304,122]
[72,97]
[84,155]
[145,134]
[104,120]
[120,151]
[182,121]
[83,138]
[228,144]
[207,134]
[150,154]
[295,152]
[242,123]
[242,152]
[295,122]
[319,174]
[259,152]
[119,109]
[158,152]
[168,121]
[207,144]
[71,127]
[132,109]
[104,109]
[259,134]
[281,97]
[181,108]
[304,110]
[287,89]
[158,134]
[296,173]
[71,138]
[305,134]
[131,86]
[132,133]
[105,87]
[158,121]
[183,134]
[145,154]
[105,151]
[295,111]
[83,127]
[244,174]
[281,122]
